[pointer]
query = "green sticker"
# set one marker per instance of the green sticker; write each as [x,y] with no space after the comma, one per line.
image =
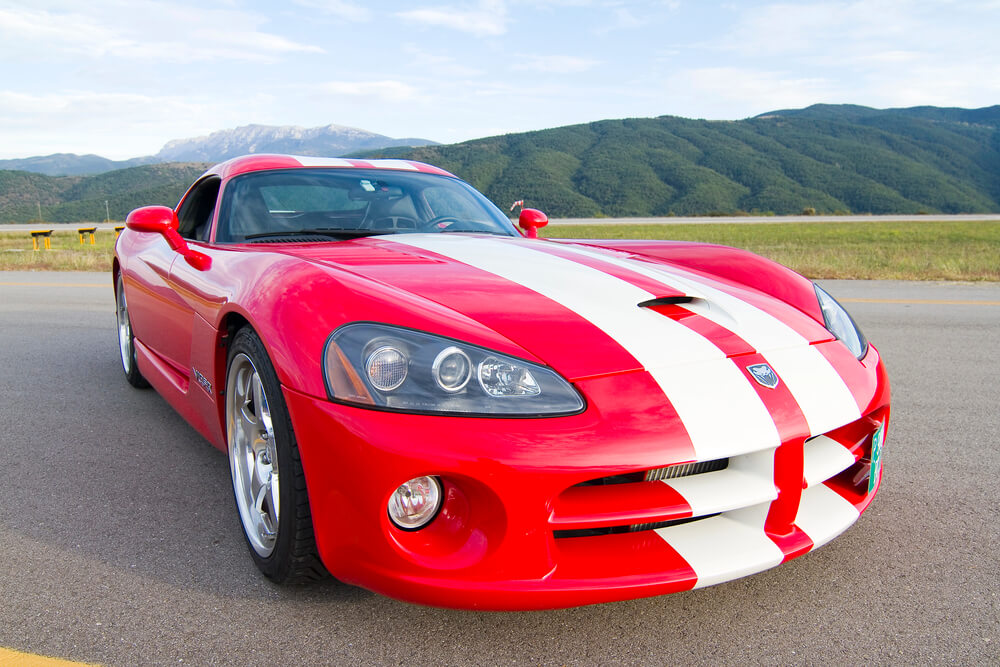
[876,469]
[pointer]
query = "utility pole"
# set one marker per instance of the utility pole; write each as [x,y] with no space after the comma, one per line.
[107,211]
[39,210]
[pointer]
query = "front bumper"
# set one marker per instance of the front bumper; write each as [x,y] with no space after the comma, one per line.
[523,526]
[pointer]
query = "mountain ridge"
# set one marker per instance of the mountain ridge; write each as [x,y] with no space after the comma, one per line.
[326,140]
[822,159]
[825,159]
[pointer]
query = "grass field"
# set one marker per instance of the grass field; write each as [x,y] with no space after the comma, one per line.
[67,254]
[926,250]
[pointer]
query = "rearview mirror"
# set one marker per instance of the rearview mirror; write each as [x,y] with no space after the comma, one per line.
[156,219]
[530,220]
[163,220]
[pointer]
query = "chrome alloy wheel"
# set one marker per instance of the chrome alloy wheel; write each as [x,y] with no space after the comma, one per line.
[253,456]
[124,327]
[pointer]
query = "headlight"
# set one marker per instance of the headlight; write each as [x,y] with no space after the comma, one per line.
[389,367]
[841,324]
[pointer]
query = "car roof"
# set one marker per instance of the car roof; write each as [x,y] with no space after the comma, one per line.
[267,161]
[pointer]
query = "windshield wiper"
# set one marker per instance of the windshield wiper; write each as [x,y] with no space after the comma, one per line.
[339,234]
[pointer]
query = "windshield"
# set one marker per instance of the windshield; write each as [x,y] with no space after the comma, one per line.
[347,203]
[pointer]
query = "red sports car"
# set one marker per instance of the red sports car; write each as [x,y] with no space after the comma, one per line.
[420,399]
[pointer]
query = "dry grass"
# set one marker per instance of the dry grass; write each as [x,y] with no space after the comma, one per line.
[926,250]
[67,254]
[930,250]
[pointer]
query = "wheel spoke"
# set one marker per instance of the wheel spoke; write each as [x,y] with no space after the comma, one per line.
[253,454]
[268,519]
[245,382]
[273,487]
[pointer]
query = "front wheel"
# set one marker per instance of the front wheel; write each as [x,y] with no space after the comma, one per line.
[268,481]
[126,339]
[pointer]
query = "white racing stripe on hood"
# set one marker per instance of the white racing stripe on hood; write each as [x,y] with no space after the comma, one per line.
[824,398]
[720,410]
[311,161]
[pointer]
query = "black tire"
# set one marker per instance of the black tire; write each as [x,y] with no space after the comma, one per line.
[126,339]
[279,535]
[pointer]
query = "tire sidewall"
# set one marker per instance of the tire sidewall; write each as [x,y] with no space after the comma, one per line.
[132,375]
[277,564]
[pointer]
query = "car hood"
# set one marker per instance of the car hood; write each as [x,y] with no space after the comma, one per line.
[586,311]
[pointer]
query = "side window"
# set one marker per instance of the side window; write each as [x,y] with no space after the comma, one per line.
[195,213]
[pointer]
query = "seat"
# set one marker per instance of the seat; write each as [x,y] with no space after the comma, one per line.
[250,215]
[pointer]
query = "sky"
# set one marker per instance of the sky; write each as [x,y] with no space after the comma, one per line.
[120,78]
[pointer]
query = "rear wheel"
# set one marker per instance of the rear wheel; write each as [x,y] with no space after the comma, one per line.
[268,481]
[126,340]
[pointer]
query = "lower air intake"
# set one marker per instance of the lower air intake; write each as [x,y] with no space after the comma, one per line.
[685,470]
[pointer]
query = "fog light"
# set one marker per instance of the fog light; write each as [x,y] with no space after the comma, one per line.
[386,368]
[415,503]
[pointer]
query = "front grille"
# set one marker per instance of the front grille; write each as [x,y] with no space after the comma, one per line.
[675,472]
[685,469]
[657,474]
[584,508]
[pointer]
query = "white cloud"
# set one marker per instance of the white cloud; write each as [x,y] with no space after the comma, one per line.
[436,65]
[626,19]
[743,92]
[149,31]
[488,19]
[384,91]
[555,64]
[883,53]
[116,125]
[340,8]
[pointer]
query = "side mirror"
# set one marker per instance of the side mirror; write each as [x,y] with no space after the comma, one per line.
[163,220]
[155,219]
[530,220]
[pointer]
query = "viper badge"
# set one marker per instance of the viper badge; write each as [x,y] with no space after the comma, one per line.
[763,374]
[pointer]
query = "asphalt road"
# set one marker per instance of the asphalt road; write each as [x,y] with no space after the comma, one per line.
[119,542]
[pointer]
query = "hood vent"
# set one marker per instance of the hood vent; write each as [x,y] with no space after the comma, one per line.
[666,301]
[292,239]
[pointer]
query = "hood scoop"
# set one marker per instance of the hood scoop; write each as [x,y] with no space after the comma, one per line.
[692,305]
[666,301]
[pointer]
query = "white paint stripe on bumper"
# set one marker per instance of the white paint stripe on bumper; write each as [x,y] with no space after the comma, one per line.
[725,547]
[748,481]
[824,514]
[823,458]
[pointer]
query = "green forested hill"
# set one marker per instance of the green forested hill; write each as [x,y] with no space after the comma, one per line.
[76,198]
[827,158]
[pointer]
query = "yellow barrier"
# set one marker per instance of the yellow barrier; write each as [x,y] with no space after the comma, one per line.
[87,230]
[45,235]
[118,230]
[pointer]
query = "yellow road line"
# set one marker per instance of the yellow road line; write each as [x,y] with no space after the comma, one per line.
[107,284]
[927,302]
[10,658]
